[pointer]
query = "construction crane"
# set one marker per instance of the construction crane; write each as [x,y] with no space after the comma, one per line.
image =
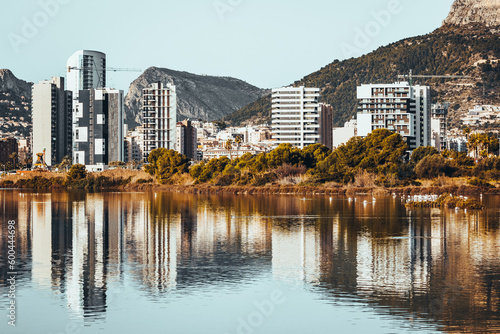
[112,69]
[98,70]
[451,77]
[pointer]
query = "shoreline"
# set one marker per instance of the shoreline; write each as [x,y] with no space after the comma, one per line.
[313,190]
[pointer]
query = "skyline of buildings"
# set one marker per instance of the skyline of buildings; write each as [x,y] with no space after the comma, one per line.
[99,136]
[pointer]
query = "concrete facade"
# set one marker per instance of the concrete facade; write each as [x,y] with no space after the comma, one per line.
[98,128]
[51,108]
[159,110]
[398,107]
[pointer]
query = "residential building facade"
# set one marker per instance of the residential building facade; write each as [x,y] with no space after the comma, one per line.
[98,128]
[343,135]
[187,139]
[398,107]
[134,145]
[52,121]
[439,125]
[86,69]
[326,125]
[159,111]
[296,114]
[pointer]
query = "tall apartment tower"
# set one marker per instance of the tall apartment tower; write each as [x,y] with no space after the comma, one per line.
[52,120]
[326,125]
[98,128]
[85,70]
[398,107]
[439,125]
[296,116]
[159,111]
[187,139]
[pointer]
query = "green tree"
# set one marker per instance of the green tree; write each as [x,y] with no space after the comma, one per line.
[432,166]
[77,172]
[65,163]
[421,153]
[165,163]
[482,144]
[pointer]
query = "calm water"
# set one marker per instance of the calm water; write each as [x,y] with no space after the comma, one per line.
[164,263]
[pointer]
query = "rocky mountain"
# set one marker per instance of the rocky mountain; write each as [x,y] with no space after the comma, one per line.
[471,49]
[198,96]
[15,105]
[464,12]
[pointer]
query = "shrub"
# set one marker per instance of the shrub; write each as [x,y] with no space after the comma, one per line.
[432,166]
[76,172]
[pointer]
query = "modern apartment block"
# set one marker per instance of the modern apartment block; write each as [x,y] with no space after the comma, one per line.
[134,143]
[85,70]
[98,128]
[187,139]
[52,120]
[159,111]
[439,125]
[398,107]
[326,125]
[298,118]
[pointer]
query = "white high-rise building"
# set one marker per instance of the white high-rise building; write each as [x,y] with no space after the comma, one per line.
[296,116]
[398,107]
[85,70]
[51,108]
[439,125]
[159,111]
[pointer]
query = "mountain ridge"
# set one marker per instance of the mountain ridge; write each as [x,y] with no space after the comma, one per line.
[198,96]
[15,105]
[455,48]
[464,12]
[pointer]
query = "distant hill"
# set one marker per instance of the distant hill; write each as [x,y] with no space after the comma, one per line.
[15,105]
[198,96]
[471,48]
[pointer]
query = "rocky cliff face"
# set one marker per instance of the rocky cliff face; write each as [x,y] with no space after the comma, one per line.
[464,12]
[15,105]
[198,97]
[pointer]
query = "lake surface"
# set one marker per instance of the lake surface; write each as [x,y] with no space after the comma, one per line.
[171,263]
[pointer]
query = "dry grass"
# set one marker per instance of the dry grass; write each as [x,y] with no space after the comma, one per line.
[293,180]
[333,185]
[443,181]
[182,180]
[121,173]
[363,179]
[25,176]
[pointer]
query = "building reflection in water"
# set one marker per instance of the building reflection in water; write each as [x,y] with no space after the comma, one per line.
[441,265]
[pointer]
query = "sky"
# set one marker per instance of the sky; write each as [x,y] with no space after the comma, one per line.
[268,43]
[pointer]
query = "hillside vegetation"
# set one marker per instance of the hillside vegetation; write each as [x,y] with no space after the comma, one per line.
[472,50]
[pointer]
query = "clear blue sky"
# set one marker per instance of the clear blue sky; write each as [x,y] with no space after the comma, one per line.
[266,43]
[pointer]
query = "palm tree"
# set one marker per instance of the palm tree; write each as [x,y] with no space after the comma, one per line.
[467,132]
[238,143]
[229,147]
